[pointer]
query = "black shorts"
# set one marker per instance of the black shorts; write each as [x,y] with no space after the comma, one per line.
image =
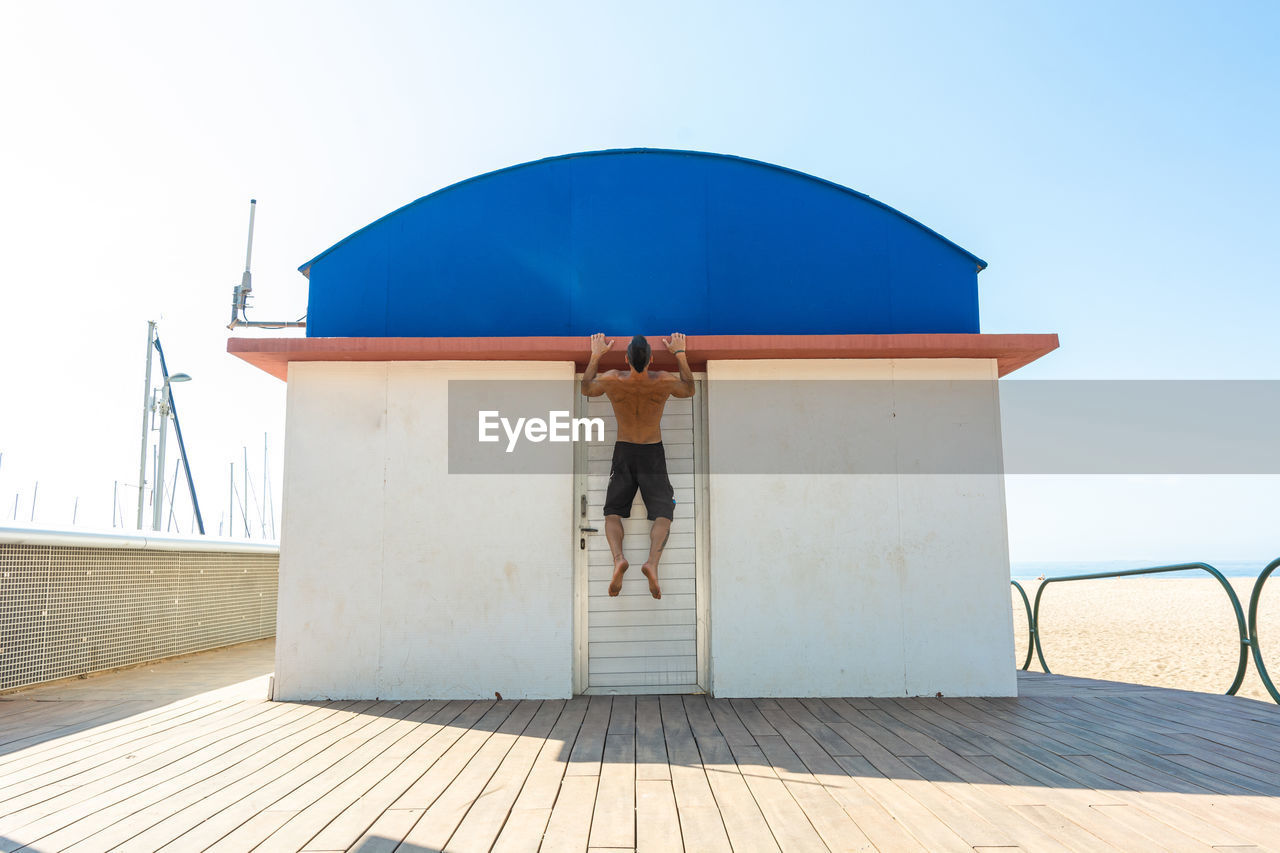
[642,466]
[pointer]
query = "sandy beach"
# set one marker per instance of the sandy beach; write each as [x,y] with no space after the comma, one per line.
[1168,632]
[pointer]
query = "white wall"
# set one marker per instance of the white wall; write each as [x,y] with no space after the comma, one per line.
[399,580]
[875,584]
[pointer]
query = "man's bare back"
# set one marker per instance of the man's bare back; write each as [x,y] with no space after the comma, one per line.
[638,402]
[638,397]
[639,460]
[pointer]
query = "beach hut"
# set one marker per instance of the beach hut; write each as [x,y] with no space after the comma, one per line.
[840,524]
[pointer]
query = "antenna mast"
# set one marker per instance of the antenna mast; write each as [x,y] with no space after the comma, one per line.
[240,294]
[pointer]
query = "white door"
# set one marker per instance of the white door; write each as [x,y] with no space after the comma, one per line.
[633,643]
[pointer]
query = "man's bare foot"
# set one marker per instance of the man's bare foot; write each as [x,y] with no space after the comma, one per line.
[620,566]
[652,575]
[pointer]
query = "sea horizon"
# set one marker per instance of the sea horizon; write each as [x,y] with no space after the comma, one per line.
[1021,570]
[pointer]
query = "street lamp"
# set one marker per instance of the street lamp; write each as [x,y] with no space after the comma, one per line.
[163,406]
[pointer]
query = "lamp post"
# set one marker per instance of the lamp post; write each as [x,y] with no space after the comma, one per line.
[163,407]
[146,421]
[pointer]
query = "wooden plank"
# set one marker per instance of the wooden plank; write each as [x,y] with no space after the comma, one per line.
[424,791]
[1210,777]
[700,822]
[1173,806]
[122,810]
[871,819]
[1057,826]
[1021,750]
[637,542]
[751,718]
[1237,710]
[953,743]
[644,682]
[141,811]
[294,794]
[741,808]
[1161,834]
[1157,744]
[260,825]
[588,749]
[1123,768]
[35,804]
[386,833]
[1210,712]
[1118,760]
[657,823]
[701,723]
[480,828]
[1117,738]
[928,829]
[1098,820]
[543,785]
[68,744]
[159,823]
[643,633]
[855,718]
[320,814]
[225,808]
[1232,743]
[42,781]
[824,734]
[613,823]
[444,815]
[241,801]
[1075,803]
[821,710]
[734,731]
[651,744]
[638,587]
[809,750]
[641,617]
[402,765]
[522,833]
[45,729]
[21,718]
[959,817]
[785,819]
[985,795]
[649,664]
[570,822]
[829,820]
[971,784]
[642,603]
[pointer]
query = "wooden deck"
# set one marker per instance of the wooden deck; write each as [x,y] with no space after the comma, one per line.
[187,755]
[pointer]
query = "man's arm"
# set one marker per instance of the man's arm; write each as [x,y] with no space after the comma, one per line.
[592,387]
[684,385]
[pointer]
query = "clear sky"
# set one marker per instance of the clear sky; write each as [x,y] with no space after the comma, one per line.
[1116,164]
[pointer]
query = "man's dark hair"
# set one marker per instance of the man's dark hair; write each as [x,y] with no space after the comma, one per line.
[638,352]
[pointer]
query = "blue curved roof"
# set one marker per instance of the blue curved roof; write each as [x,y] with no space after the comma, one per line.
[642,240]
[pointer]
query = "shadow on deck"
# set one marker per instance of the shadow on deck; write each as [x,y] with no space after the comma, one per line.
[190,756]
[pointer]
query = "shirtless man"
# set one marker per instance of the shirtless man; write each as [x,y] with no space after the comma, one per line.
[638,397]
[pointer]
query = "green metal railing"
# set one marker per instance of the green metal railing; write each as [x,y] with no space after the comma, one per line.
[1248,630]
[1253,629]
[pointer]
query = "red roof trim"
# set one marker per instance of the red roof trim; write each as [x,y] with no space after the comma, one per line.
[1011,351]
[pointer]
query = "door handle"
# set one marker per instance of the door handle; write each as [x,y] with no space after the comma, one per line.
[588,530]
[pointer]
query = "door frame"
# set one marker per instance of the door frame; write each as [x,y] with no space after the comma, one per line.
[701,551]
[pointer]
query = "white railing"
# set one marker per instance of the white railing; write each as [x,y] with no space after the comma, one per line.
[76,601]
